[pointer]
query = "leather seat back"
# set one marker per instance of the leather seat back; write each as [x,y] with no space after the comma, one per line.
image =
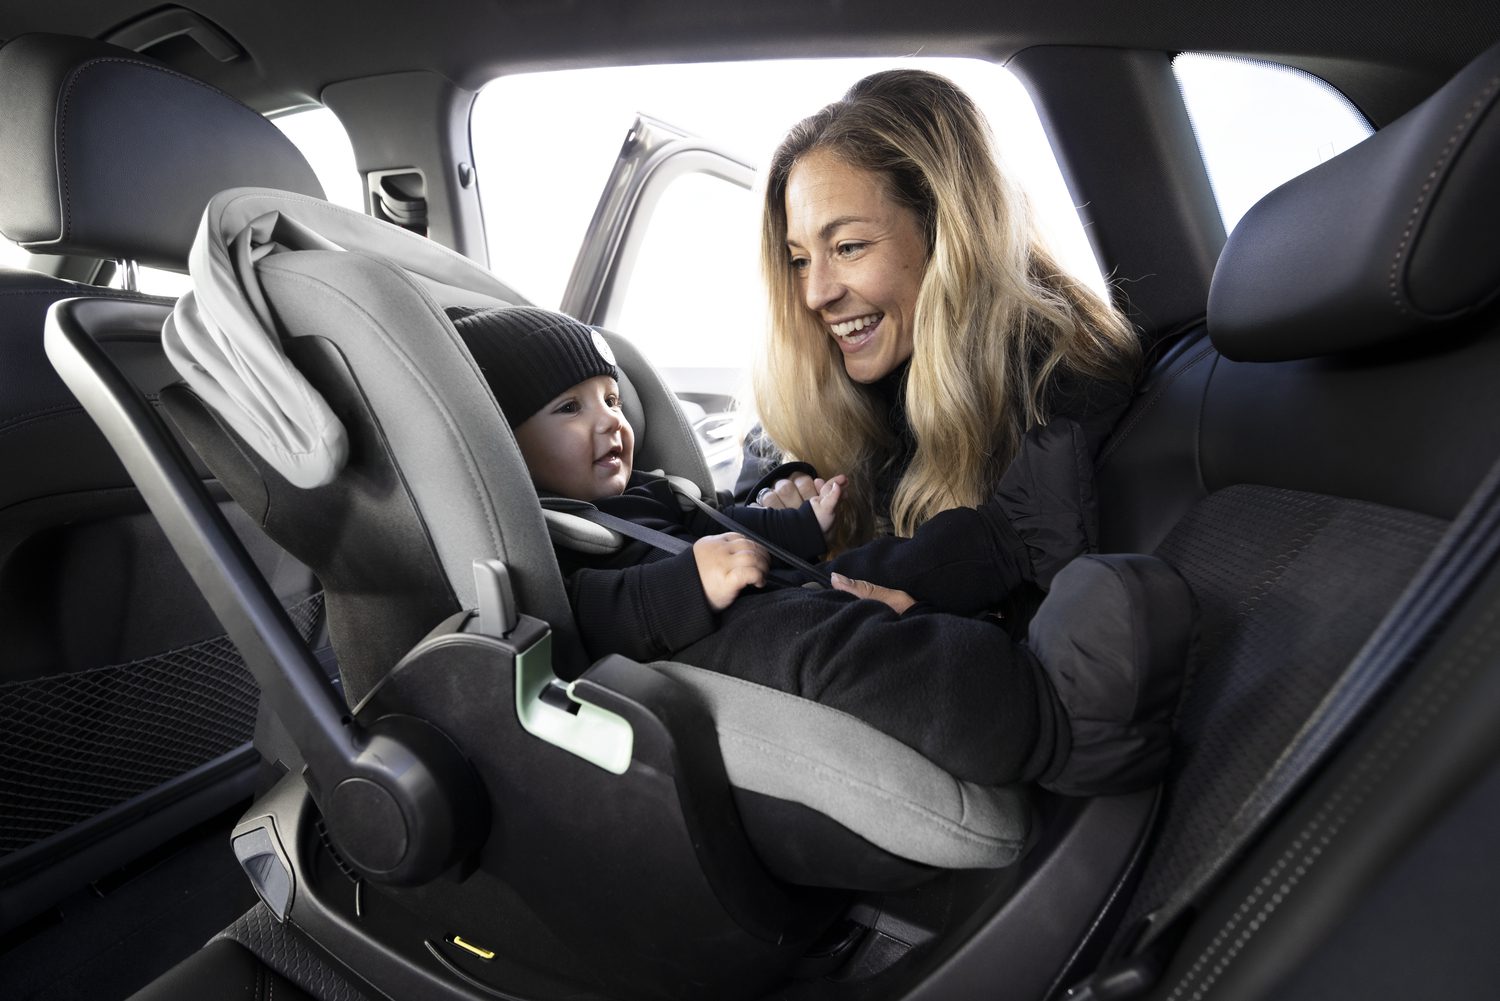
[119,695]
[1299,459]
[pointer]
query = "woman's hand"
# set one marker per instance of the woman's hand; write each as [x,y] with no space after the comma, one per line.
[792,493]
[727,564]
[801,489]
[897,601]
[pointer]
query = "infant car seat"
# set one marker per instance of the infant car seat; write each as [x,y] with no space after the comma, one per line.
[497,810]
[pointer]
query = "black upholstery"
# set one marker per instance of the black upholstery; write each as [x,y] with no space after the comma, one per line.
[125,716]
[110,154]
[1300,487]
[1389,240]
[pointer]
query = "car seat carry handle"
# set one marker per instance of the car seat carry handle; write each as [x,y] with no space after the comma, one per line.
[1452,570]
[401,770]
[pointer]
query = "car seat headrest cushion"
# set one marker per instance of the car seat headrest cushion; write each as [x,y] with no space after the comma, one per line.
[1393,238]
[110,154]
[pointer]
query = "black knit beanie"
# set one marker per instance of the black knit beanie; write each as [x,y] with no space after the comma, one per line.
[530,356]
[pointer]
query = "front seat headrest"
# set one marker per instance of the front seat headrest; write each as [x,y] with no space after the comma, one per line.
[110,154]
[1387,240]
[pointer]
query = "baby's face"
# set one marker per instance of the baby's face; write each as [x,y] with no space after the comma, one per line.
[580,445]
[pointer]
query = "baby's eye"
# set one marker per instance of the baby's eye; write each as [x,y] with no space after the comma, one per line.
[566,407]
[612,401]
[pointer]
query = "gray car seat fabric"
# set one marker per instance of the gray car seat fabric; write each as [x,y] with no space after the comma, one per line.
[472,491]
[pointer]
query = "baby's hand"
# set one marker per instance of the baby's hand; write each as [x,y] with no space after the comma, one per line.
[826,502]
[727,564]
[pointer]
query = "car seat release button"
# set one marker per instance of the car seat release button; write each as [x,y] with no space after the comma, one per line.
[257,854]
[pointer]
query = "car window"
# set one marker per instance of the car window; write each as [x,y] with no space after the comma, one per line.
[12,256]
[1260,124]
[321,137]
[544,145]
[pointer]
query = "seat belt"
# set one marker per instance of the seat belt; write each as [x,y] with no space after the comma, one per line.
[808,570]
[674,545]
[1465,550]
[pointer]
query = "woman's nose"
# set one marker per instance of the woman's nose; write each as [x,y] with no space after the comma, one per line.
[822,287]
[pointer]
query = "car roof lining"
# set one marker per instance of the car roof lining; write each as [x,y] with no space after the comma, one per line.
[1385,55]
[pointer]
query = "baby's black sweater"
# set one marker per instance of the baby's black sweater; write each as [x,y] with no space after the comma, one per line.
[646,603]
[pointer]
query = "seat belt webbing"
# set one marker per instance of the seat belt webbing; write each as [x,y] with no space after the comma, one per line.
[674,545]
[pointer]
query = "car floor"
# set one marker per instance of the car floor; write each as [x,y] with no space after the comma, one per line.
[123,931]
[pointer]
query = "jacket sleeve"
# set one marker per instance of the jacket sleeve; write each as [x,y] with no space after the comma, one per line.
[645,612]
[794,530]
[760,457]
[964,561]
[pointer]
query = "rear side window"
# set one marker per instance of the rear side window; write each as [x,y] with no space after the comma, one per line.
[12,256]
[321,137]
[1260,124]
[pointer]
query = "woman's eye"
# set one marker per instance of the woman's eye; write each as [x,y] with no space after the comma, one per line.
[798,264]
[849,249]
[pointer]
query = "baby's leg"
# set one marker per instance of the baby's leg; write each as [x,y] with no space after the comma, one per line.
[956,689]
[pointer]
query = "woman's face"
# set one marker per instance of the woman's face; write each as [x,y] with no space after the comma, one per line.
[858,258]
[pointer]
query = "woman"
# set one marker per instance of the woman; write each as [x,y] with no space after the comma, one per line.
[919,327]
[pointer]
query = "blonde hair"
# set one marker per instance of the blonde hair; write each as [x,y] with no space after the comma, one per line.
[995,316]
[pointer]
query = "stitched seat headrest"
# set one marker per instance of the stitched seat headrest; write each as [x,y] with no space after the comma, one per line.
[107,153]
[1395,237]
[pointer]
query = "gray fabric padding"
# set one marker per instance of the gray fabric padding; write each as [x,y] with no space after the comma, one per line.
[437,414]
[790,748]
[571,531]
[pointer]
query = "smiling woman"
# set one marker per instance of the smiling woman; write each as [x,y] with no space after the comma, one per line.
[920,326]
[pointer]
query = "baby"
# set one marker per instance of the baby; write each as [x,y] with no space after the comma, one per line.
[954,687]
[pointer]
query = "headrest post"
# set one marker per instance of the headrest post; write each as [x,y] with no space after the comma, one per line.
[130,274]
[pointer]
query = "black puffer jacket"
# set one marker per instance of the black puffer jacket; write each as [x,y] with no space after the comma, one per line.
[1043,511]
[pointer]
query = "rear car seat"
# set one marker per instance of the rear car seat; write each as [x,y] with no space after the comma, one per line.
[1298,461]
[125,714]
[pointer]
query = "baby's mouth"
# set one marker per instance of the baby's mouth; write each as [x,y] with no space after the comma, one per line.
[611,457]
